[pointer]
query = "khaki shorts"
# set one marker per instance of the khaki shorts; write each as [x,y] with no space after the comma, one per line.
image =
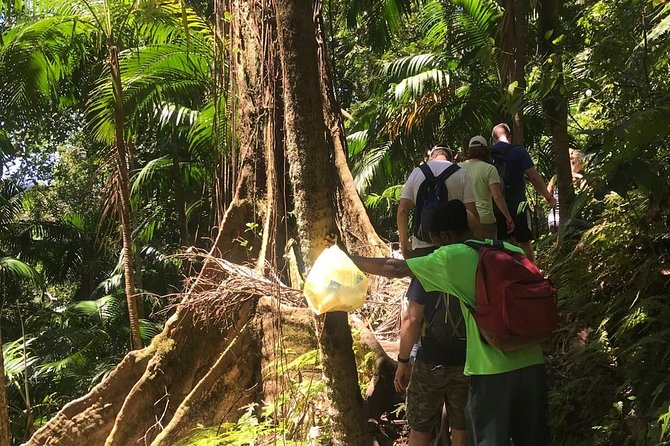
[429,388]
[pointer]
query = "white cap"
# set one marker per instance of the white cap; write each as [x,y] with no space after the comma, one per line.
[477,141]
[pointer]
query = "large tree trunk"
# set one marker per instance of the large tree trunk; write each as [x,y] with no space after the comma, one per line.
[357,231]
[256,202]
[124,198]
[555,104]
[313,193]
[513,58]
[220,353]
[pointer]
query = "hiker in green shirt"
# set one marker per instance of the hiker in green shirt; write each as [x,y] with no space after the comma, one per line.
[487,186]
[507,398]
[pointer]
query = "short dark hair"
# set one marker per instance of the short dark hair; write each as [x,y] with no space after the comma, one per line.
[450,217]
[479,152]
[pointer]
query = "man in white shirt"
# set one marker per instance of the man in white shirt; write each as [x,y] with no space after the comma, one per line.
[459,187]
[435,361]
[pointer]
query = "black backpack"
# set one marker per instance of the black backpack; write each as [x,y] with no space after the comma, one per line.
[432,193]
[447,325]
[499,161]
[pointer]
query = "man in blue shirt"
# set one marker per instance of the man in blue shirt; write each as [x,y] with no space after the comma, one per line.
[518,167]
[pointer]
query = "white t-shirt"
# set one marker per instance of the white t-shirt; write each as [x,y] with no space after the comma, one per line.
[459,186]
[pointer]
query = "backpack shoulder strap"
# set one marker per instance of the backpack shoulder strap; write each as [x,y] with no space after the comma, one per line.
[506,150]
[479,244]
[476,244]
[449,171]
[427,172]
[502,153]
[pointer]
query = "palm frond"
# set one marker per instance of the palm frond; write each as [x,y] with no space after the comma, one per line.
[158,81]
[432,23]
[661,28]
[17,269]
[149,171]
[201,136]
[16,361]
[36,56]
[366,165]
[378,20]
[416,86]
[475,23]
[10,203]
[104,309]
[412,65]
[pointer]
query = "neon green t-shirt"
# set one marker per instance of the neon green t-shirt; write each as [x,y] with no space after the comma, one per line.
[482,175]
[452,269]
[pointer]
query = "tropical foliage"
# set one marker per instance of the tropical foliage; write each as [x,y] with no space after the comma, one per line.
[408,74]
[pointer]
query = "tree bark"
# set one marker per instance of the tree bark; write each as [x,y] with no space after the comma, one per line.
[124,198]
[256,199]
[356,229]
[313,194]
[513,58]
[555,104]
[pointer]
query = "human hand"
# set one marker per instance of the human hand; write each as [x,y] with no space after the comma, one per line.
[510,225]
[402,376]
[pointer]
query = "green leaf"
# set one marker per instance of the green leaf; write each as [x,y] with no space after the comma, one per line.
[13,267]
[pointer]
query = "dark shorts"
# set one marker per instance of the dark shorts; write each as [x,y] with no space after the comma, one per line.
[522,232]
[511,405]
[429,388]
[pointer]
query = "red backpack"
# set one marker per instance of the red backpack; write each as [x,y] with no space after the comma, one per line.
[515,303]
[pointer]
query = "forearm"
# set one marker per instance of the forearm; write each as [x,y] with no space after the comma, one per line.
[500,202]
[402,221]
[409,335]
[474,221]
[381,266]
[538,183]
[403,234]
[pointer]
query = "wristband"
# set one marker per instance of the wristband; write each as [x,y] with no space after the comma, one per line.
[403,360]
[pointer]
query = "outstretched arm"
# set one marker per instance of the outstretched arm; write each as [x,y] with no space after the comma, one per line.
[381,266]
[537,182]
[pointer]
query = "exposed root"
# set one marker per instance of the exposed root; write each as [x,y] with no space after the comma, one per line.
[226,346]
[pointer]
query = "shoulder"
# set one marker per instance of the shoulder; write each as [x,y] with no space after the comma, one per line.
[490,171]
[415,174]
[439,164]
[450,251]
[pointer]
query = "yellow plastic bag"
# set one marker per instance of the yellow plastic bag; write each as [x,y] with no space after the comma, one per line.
[335,283]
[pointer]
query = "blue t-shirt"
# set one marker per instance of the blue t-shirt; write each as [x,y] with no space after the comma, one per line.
[518,161]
